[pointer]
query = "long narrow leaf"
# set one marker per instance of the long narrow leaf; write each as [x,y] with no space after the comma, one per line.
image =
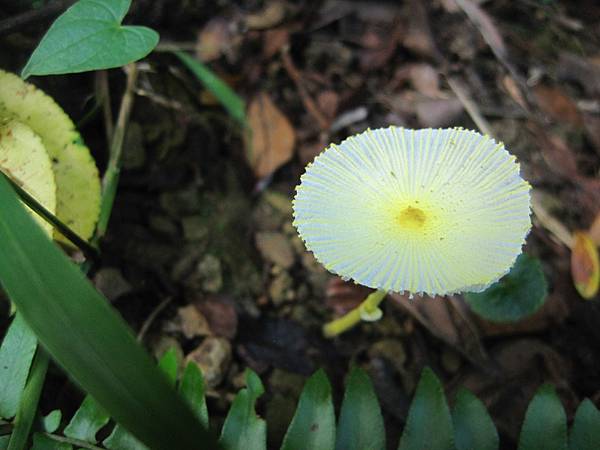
[585,432]
[87,337]
[313,425]
[545,424]
[473,426]
[87,421]
[429,424]
[361,424]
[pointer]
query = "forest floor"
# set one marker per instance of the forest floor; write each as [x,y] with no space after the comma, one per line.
[201,254]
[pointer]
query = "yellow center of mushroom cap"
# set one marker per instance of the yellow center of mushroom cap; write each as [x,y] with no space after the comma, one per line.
[411,217]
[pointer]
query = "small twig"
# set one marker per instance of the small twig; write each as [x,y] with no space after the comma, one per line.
[472,109]
[296,77]
[44,13]
[152,317]
[166,46]
[550,223]
[89,250]
[111,176]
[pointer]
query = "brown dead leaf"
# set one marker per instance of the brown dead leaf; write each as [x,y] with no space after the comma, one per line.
[192,322]
[438,112]
[220,314]
[418,37]
[328,102]
[426,80]
[274,40]
[449,320]
[585,72]
[510,85]
[343,296]
[271,15]
[273,137]
[213,39]
[556,153]
[486,27]
[594,230]
[553,101]
[585,267]
[591,125]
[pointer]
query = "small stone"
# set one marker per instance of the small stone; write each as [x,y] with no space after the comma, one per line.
[451,361]
[192,322]
[178,203]
[163,224]
[390,349]
[111,283]
[221,316]
[194,228]
[278,201]
[276,248]
[213,357]
[280,287]
[207,276]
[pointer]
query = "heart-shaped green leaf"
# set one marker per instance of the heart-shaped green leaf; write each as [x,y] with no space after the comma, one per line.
[89,36]
[519,294]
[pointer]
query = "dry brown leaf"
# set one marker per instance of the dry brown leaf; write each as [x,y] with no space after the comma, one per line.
[426,80]
[556,153]
[273,137]
[438,112]
[510,85]
[213,39]
[594,230]
[585,267]
[486,27]
[272,14]
[274,40]
[553,101]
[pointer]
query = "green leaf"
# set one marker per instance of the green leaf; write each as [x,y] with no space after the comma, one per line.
[29,401]
[429,424]
[232,102]
[585,432]
[191,389]
[16,354]
[519,294]
[545,424]
[473,426]
[87,421]
[89,36]
[313,425]
[243,429]
[85,335]
[361,424]
[51,422]
[4,441]
[43,442]
[168,364]
[121,439]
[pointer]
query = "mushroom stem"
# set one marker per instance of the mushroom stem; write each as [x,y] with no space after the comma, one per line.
[368,311]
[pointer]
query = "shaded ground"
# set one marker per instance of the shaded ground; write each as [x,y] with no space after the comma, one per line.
[201,253]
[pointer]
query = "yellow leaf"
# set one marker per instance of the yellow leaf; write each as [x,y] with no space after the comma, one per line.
[585,267]
[24,158]
[75,173]
[273,137]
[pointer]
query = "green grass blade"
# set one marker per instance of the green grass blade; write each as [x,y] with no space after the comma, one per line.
[87,337]
[16,354]
[232,102]
[313,425]
[361,424]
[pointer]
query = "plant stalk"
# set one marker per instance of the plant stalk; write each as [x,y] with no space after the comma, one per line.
[368,311]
